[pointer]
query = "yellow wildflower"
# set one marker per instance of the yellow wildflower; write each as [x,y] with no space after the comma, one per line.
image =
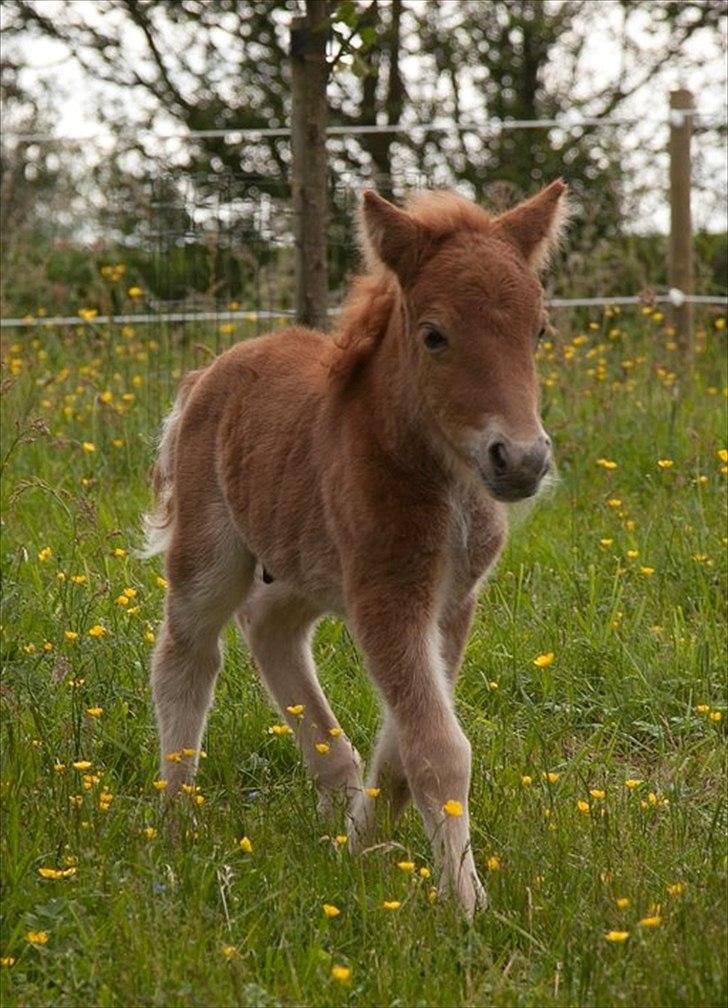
[526,780]
[296,709]
[665,463]
[647,571]
[173,757]
[606,463]
[583,806]
[330,910]
[322,747]
[374,792]
[606,543]
[94,711]
[280,729]
[45,554]
[452,808]
[82,764]
[614,502]
[50,873]
[149,832]
[135,292]
[336,732]
[119,552]
[89,447]
[632,783]
[716,716]
[7,961]
[97,631]
[617,936]
[341,973]
[37,937]
[622,902]
[424,872]
[59,767]
[406,866]
[723,454]
[493,863]
[159,785]
[79,579]
[551,776]
[161,583]
[598,793]
[651,922]
[246,845]
[544,660]
[391,904]
[676,889]
[199,799]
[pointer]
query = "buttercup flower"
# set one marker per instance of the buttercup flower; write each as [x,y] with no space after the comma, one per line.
[544,660]
[617,936]
[452,807]
[341,973]
[330,910]
[246,845]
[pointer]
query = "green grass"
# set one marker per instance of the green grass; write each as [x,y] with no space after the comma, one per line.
[145,920]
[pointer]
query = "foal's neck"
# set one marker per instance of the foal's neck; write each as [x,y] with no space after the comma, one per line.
[399,422]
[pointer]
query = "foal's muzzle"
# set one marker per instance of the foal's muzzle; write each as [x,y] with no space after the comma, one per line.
[513,470]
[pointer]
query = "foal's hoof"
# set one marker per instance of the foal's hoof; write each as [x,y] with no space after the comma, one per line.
[473,897]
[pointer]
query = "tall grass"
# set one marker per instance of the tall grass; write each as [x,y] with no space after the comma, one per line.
[620,574]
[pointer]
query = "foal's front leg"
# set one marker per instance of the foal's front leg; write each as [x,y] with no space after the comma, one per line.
[407,664]
[387,793]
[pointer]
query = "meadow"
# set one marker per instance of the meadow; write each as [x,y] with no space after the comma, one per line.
[593,691]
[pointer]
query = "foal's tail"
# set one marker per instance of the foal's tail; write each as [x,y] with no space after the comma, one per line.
[158,522]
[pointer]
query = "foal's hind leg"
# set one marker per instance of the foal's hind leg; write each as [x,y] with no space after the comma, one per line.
[279,627]
[208,573]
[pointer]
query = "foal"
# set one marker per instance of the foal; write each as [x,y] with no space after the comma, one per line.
[363,476]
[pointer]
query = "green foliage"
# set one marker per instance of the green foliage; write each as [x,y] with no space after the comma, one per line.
[184,916]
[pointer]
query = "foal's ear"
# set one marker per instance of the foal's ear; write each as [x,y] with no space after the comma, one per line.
[391,236]
[535,226]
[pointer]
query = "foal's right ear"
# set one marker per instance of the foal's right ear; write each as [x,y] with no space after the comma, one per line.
[391,236]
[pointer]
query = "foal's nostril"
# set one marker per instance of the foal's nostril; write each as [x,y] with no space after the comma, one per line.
[499,457]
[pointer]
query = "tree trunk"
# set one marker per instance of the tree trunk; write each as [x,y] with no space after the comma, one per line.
[309,75]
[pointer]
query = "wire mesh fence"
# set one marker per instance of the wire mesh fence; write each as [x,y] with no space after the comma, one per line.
[198,260]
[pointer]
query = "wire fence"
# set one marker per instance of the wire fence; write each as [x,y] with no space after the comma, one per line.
[203,258]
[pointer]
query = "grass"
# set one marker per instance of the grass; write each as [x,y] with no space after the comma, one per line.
[636,691]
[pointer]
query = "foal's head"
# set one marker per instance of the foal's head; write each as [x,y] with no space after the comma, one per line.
[474,318]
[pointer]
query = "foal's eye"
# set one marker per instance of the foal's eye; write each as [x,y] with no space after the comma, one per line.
[434,341]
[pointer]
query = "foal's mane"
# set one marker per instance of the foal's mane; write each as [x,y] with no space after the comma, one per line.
[376,294]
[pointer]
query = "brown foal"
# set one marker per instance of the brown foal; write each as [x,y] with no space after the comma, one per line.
[364,476]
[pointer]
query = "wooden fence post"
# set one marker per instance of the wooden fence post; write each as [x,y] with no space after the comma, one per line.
[309,76]
[681,229]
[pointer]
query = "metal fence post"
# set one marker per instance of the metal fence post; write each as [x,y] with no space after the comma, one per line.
[680,264]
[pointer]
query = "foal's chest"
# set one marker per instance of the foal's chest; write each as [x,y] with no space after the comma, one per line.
[478,532]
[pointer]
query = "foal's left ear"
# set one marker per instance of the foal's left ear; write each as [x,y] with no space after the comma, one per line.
[391,236]
[535,225]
